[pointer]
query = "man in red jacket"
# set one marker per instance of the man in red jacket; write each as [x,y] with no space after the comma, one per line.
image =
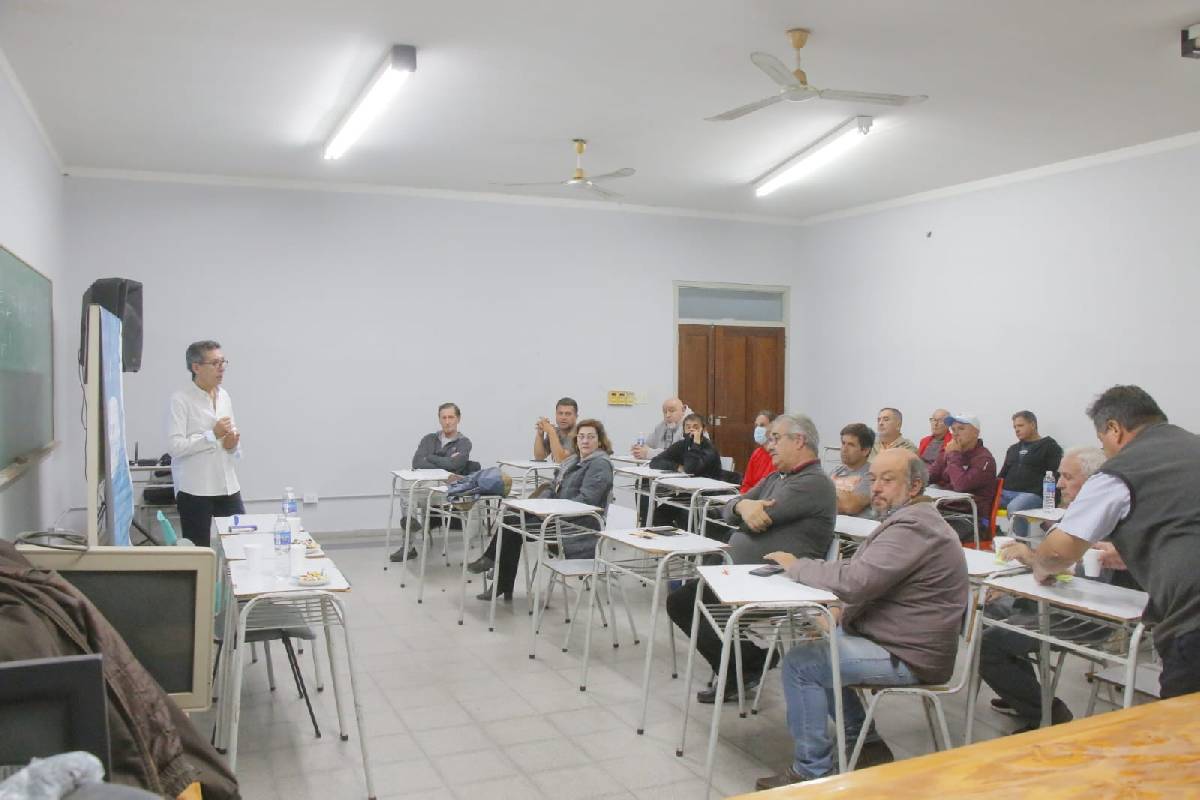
[939,436]
[965,465]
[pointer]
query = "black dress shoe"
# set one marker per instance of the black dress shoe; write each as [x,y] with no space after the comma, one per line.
[399,554]
[709,695]
[1059,713]
[487,596]
[785,778]
[480,565]
[873,754]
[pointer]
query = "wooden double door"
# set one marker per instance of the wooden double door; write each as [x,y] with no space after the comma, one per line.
[727,374]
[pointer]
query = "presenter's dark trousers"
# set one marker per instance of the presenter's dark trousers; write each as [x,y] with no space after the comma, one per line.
[196,513]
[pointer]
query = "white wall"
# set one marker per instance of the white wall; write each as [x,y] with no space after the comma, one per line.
[348,318]
[31,227]
[1036,295]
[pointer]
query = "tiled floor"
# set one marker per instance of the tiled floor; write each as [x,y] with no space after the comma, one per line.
[458,712]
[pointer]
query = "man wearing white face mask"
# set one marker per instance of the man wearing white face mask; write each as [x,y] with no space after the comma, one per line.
[760,460]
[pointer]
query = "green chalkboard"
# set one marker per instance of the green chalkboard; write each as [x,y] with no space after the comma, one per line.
[26,361]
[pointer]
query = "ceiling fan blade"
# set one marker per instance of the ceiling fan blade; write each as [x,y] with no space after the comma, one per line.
[624,172]
[872,97]
[605,193]
[775,69]
[742,111]
[537,183]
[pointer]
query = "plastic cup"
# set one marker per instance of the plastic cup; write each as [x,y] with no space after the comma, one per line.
[1001,542]
[294,526]
[256,558]
[1091,563]
[296,559]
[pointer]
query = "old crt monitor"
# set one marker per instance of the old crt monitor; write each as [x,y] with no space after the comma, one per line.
[160,599]
[50,706]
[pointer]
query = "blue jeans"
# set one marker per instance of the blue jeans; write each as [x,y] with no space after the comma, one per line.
[1019,501]
[807,678]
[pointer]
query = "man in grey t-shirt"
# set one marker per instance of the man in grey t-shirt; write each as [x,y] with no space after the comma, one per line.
[850,477]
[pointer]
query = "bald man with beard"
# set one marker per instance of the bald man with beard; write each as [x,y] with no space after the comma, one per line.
[665,433]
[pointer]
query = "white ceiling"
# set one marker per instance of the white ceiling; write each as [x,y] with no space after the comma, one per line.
[252,89]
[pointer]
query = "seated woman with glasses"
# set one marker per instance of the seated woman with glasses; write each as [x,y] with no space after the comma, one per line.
[585,476]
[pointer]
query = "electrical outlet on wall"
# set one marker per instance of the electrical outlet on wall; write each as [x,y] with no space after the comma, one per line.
[310,498]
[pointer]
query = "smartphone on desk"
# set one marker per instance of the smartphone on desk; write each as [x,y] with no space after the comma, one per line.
[766,569]
[663,530]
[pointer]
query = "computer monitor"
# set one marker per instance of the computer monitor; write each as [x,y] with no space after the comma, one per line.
[50,706]
[160,599]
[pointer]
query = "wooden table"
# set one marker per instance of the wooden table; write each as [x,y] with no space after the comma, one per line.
[1149,751]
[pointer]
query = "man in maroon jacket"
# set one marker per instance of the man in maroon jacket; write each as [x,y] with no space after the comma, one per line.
[965,465]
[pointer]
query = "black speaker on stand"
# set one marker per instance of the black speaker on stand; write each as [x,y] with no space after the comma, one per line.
[122,297]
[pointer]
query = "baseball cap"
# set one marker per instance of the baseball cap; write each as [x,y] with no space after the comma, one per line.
[966,418]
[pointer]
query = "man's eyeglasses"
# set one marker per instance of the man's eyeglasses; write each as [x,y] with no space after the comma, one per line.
[938,419]
[218,363]
[774,438]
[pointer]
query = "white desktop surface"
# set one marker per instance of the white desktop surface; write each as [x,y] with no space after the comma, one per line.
[421,474]
[854,527]
[647,472]
[937,493]
[981,563]
[734,585]
[545,507]
[696,484]
[234,547]
[1080,594]
[264,522]
[537,466]
[247,584]
[629,458]
[657,544]
[1045,514]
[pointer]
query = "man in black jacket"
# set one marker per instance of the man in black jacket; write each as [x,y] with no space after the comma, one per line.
[694,454]
[1025,467]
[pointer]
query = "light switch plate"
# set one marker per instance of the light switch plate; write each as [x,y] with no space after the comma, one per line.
[310,498]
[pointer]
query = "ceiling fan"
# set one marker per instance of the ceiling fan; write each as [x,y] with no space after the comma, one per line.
[581,178]
[794,85]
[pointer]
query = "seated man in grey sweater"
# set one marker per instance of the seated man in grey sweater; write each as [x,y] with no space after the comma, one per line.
[905,592]
[792,509]
[446,449]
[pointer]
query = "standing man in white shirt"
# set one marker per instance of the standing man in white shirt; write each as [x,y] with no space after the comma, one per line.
[204,443]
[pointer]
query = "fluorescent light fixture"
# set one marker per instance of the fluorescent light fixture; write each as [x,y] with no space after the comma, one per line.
[842,138]
[400,62]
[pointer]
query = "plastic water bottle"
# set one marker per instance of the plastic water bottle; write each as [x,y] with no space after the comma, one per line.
[283,546]
[641,440]
[1048,486]
[291,508]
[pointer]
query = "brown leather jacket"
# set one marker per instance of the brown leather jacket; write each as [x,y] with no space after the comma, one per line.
[154,744]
